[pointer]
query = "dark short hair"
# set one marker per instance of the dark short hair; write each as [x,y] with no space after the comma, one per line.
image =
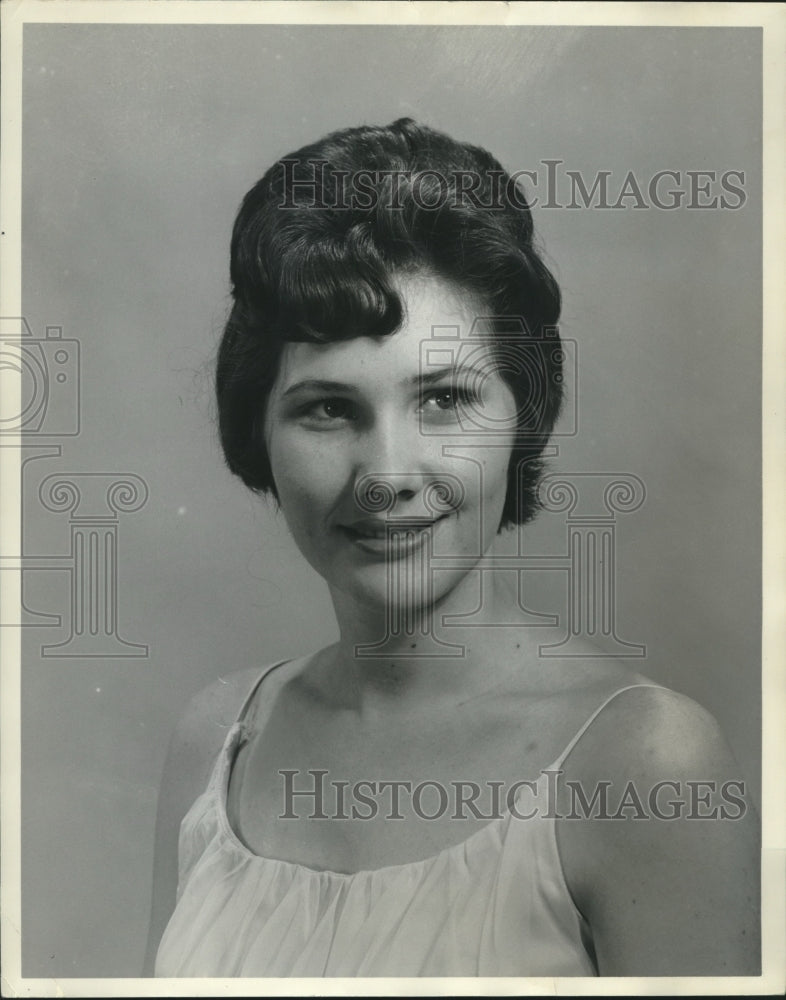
[318,242]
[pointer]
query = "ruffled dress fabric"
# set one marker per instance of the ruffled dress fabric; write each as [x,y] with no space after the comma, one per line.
[495,904]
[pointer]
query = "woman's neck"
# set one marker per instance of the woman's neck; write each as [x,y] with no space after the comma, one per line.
[406,658]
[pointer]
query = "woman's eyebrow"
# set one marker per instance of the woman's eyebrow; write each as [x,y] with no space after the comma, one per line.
[318,385]
[452,371]
[421,378]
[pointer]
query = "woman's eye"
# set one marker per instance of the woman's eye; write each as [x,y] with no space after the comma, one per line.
[330,410]
[448,400]
[336,409]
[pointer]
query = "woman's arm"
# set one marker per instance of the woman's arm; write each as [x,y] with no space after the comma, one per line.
[663,896]
[195,744]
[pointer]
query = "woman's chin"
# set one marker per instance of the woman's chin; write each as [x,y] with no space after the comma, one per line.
[401,592]
[376,590]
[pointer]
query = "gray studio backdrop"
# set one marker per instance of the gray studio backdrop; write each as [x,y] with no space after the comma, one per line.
[139,142]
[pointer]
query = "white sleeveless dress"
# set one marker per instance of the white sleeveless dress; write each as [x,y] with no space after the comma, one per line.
[495,904]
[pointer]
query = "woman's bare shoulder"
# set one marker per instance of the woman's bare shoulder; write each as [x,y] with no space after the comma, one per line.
[219,702]
[202,727]
[659,839]
[647,728]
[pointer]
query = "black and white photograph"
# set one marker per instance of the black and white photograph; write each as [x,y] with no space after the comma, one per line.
[392,441]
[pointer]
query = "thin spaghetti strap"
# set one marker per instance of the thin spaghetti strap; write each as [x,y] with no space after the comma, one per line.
[237,732]
[563,756]
[247,710]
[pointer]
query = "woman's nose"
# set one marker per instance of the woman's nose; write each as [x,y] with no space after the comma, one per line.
[381,494]
[392,467]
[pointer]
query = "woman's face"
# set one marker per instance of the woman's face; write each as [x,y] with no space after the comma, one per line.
[383,446]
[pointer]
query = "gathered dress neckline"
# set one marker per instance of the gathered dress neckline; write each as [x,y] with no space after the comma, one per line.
[494,904]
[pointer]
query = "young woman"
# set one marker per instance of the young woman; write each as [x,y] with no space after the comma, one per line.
[422,799]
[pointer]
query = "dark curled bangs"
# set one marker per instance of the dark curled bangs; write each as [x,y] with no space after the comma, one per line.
[316,248]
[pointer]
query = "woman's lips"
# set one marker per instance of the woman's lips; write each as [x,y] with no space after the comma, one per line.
[392,538]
